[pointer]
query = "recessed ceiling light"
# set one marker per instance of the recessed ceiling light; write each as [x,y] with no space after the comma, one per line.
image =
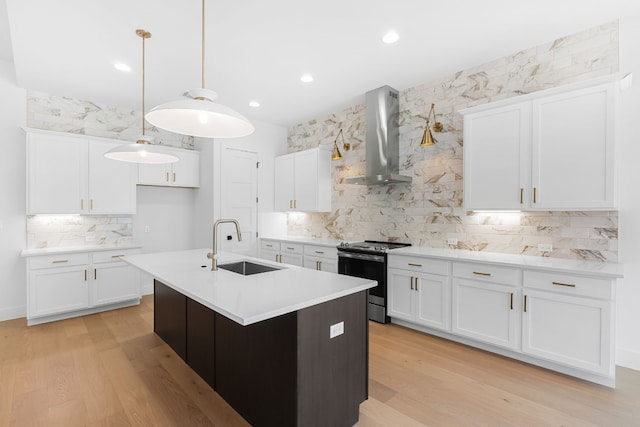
[306,78]
[254,104]
[390,37]
[121,66]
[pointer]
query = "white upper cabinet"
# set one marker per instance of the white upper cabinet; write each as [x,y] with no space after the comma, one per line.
[303,181]
[550,150]
[68,174]
[183,173]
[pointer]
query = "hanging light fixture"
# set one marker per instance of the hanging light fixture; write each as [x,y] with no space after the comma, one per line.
[141,151]
[336,152]
[198,115]
[427,138]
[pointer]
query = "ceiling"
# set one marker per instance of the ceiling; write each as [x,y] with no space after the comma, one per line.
[257,49]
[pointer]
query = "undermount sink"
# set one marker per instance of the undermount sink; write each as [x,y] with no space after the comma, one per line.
[247,268]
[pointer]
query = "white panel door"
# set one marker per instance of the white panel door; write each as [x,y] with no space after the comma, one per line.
[497,158]
[306,181]
[57,175]
[239,189]
[53,291]
[112,183]
[573,153]
[485,312]
[400,294]
[433,300]
[186,171]
[570,330]
[284,183]
[150,174]
[114,282]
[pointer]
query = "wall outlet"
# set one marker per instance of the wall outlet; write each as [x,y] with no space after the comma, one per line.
[147,229]
[336,330]
[452,241]
[90,239]
[545,247]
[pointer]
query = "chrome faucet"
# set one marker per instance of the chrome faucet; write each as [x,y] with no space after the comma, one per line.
[213,256]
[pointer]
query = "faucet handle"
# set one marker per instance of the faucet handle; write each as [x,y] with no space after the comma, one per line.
[210,255]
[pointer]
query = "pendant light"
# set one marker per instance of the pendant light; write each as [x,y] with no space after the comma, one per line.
[196,114]
[141,151]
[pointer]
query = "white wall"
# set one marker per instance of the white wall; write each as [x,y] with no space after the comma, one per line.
[628,297]
[12,195]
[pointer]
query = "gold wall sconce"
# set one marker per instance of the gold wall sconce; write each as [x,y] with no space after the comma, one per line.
[345,146]
[427,138]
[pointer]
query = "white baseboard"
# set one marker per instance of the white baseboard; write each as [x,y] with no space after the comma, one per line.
[13,312]
[628,359]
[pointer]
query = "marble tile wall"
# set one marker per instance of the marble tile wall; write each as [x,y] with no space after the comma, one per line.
[71,115]
[430,210]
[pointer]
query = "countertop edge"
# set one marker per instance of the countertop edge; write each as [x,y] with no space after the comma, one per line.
[75,249]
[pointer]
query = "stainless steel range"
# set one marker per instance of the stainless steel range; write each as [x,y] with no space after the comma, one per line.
[368,260]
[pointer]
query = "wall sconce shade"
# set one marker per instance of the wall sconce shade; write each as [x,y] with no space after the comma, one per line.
[427,137]
[336,155]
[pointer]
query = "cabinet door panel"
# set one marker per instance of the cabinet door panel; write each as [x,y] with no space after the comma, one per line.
[306,180]
[170,317]
[283,185]
[293,259]
[433,300]
[57,181]
[112,183]
[150,174]
[53,291]
[573,149]
[496,158]
[115,282]
[186,172]
[570,330]
[483,311]
[400,294]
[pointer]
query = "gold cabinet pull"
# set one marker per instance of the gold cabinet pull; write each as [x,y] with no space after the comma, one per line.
[81,204]
[511,302]
[414,265]
[416,283]
[535,194]
[59,261]
[411,283]
[521,195]
[319,252]
[525,303]
[174,177]
[91,204]
[95,274]
[480,273]
[117,256]
[85,275]
[290,248]
[269,246]
[570,285]
[167,176]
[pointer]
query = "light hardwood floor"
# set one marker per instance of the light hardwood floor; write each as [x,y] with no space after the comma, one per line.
[110,369]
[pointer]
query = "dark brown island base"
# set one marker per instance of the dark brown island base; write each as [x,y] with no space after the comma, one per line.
[284,371]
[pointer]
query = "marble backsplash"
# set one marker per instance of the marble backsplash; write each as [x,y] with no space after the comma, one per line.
[429,211]
[48,231]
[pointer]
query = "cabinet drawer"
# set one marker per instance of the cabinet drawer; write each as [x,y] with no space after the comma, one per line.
[111,256]
[270,245]
[425,265]
[291,248]
[569,284]
[487,273]
[321,251]
[62,260]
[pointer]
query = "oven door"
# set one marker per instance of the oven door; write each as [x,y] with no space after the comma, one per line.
[366,266]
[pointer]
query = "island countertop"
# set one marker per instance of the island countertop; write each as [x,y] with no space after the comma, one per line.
[245,299]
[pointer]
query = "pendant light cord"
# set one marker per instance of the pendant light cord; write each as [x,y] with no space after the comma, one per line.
[143,34]
[202,44]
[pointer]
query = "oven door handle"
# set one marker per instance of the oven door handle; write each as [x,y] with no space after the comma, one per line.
[364,257]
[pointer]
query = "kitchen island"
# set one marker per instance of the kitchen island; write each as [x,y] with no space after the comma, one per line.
[287,347]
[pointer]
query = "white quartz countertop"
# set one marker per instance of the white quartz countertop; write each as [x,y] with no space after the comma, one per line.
[73,249]
[306,240]
[569,266]
[245,299]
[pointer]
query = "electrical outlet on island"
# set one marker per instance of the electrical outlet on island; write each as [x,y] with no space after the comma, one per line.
[545,247]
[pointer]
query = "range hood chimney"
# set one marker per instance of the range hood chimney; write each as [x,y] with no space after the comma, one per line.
[382,139]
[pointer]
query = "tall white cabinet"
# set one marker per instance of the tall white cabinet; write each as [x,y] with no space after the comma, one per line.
[549,150]
[303,181]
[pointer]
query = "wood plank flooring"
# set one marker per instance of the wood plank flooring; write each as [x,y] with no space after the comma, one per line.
[110,369]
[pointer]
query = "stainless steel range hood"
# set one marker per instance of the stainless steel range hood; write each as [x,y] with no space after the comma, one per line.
[382,139]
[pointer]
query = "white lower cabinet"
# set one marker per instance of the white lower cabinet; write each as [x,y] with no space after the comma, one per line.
[418,296]
[558,320]
[68,285]
[284,252]
[321,258]
[485,312]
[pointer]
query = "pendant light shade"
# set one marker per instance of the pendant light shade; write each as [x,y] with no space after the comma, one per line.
[141,151]
[197,114]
